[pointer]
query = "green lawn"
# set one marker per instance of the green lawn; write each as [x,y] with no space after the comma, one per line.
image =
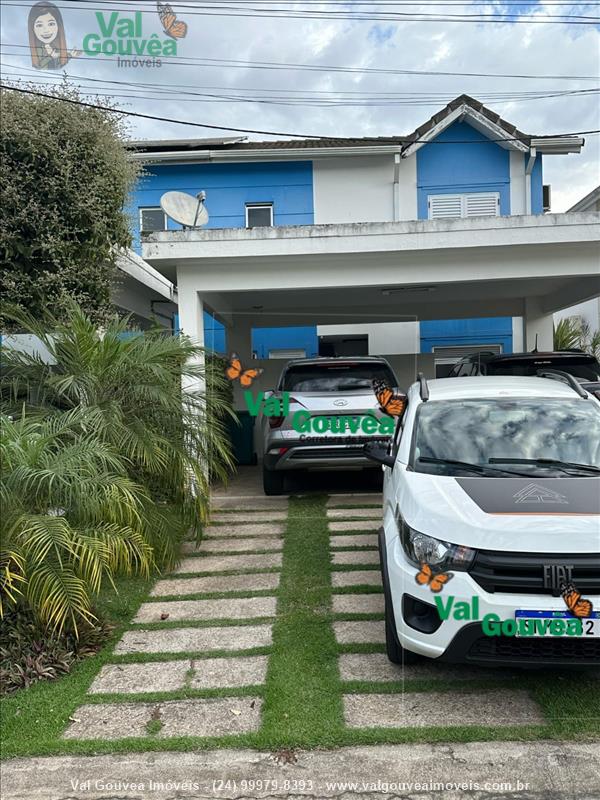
[303,692]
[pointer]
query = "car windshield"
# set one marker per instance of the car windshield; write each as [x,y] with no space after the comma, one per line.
[584,368]
[331,377]
[513,433]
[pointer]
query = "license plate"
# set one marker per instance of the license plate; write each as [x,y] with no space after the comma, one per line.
[590,625]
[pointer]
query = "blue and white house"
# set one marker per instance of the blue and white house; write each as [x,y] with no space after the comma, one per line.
[419,247]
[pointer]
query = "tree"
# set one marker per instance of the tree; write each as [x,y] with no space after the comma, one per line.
[65,179]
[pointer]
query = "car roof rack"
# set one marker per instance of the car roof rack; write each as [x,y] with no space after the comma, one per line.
[565,377]
[423,387]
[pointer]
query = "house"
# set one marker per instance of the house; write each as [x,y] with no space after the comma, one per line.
[588,312]
[417,247]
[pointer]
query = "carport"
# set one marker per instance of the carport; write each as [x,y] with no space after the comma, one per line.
[529,266]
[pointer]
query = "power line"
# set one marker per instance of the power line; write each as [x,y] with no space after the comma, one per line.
[266,133]
[291,66]
[359,16]
[304,99]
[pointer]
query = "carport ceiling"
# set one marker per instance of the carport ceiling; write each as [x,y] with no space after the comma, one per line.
[385,304]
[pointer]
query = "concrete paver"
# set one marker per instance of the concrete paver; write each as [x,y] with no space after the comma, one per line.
[357,604]
[194,640]
[217,716]
[337,500]
[356,540]
[366,577]
[363,513]
[254,529]
[216,583]
[224,545]
[169,676]
[500,707]
[233,563]
[159,676]
[345,557]
[377,667]
[226,608]
[250,516]
[366,631]
[353,525]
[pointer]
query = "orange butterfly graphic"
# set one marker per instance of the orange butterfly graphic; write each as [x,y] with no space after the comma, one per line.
[390,403]
[168,19]
[235,371]
[574,602]
[435,580]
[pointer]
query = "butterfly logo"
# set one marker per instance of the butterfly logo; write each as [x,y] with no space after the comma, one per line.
[575,603]
[235,371]
[435,580]
[390,403]
[168,19]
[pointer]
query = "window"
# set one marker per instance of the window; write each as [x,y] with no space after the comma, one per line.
[259,215]
[477,204]
[152,219]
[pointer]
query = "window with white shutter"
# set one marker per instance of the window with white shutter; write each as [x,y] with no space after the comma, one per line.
[474,204]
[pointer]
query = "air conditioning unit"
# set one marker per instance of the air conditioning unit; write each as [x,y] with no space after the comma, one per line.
[546,197]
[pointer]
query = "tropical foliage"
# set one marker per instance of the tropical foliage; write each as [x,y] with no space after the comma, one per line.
[105,460]
[573,334]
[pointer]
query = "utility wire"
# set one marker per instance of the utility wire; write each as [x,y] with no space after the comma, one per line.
[271,133]
[398,16]
[145,91]
[290,66]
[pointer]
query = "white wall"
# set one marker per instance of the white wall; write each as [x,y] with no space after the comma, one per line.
[385,338]
[518,192]
[589,311]
[355,189]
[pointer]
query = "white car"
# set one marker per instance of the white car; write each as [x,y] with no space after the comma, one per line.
[492,507]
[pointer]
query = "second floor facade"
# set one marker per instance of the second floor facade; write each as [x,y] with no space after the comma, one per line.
[465,161]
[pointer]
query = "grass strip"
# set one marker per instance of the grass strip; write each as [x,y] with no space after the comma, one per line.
[303,704]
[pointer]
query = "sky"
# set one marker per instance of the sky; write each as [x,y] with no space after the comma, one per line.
[396,103]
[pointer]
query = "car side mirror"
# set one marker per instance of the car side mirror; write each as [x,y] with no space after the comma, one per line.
[376,451]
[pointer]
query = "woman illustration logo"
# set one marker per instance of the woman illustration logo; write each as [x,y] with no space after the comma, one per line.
[47,37]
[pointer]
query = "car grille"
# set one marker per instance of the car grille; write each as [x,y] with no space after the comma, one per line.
[328,452]
[523,573]
[565,649]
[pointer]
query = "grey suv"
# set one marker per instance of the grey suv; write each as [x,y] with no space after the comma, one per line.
[338,391]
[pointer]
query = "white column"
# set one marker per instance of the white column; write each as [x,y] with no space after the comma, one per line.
[191,320]
[537,324]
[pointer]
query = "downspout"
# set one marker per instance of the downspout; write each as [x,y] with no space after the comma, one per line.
[528,171]
[396,187]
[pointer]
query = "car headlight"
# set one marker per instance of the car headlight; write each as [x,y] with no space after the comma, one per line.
[423,549]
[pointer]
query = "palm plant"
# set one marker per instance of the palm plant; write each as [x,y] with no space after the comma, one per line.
[71,517]
[130,383]
[567,334]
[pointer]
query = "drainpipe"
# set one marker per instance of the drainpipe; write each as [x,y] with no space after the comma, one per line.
[396,187]
[528,171]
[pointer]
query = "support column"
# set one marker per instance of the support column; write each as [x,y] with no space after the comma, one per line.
[239,340]
[537,324]
[191,323]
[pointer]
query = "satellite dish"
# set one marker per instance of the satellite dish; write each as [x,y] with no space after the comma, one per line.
[183,208]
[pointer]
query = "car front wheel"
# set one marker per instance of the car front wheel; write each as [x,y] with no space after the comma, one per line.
[272,482]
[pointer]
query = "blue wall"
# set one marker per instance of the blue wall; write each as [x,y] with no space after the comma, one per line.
[459,168]
[537,180]
[287,184]
[455,332]
[301,338]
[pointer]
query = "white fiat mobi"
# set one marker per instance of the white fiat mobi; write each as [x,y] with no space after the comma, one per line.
[490,544]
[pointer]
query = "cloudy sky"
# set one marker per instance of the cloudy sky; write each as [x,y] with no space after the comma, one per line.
[316,102]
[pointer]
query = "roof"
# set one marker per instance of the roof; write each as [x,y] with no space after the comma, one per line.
[462,107]
[587,203]
[242,143]
[485,386]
